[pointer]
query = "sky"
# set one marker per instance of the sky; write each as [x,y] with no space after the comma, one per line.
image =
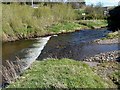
[104,2]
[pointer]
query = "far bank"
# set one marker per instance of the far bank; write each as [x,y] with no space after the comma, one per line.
[24,22]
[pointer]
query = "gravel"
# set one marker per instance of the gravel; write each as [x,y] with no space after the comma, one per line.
[102,57]
[107,41]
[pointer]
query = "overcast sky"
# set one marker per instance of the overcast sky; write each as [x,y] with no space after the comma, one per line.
[104,2]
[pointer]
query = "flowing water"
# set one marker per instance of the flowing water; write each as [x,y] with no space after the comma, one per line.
[76,45]
[27,50]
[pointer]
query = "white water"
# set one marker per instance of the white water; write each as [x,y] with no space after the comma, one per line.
[29,55]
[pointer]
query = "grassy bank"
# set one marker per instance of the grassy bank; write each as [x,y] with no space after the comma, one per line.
[64,73]
[109,71]
[110,38]
[65,27]
[23,21]
[112,35]
[92,24]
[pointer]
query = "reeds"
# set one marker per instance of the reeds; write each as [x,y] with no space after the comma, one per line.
[10,71]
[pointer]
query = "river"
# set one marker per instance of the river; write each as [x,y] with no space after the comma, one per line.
[76,45]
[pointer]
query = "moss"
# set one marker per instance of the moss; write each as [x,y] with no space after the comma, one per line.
[63,73]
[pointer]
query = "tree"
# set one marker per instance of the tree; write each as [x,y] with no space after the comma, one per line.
[95,12]
[114,19]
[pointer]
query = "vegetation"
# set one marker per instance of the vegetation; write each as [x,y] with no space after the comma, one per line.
[109,71]
[96,12]
[91,13]
[113,19]
[94,23]
[112,35]
[22,21]
[64,73]
[115,78]
[65,27]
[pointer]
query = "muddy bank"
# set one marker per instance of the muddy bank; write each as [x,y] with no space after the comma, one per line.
[103,57]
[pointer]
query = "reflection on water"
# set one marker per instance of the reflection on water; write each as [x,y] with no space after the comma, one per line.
[10,48]
[29,53]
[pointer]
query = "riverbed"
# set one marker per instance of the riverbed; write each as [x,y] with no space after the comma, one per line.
[77,45]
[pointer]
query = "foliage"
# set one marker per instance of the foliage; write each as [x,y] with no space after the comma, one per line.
[23,21]
[79,15]
[94,12]
[91,12]
[114,19]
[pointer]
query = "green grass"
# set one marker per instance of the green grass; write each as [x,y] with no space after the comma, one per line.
[63,73]
[112,35]
[116,77]
[94,23]
[65,27]
[109,71]
[23,21]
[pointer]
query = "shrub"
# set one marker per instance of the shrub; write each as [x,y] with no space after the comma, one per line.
[23,20]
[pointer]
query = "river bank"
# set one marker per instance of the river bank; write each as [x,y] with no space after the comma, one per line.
[111,38]
[25,22]
[106,68]
[104,57]
[28,22]
[66,73]
[108,41]
[76,34]
[60,28]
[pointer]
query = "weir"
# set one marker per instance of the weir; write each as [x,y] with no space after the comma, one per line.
[21,61]
[28,55]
